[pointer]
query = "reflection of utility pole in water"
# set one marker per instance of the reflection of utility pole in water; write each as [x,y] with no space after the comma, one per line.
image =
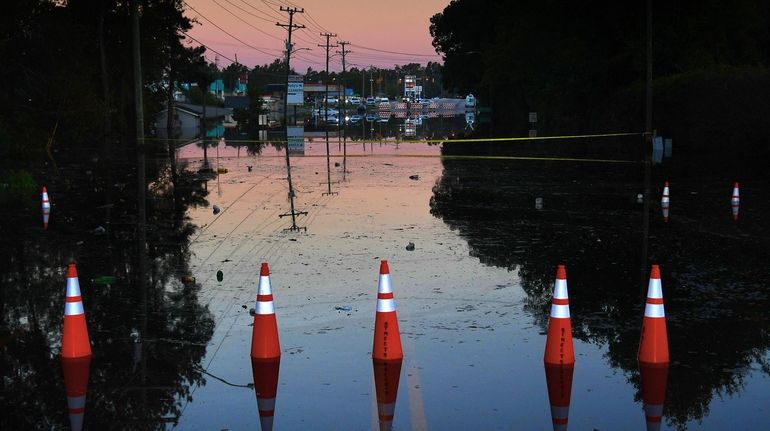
[646,146]
[344,114]
[290,27]
[141,237]
[326,112]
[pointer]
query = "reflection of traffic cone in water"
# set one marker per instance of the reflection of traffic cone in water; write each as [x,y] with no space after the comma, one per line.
[558,345]
[265,373]
[46,208]
[664,202]
[386,377]
[76,372]
[264,336]
[654,378]
[559,381]
[387,338]
[75,342]
[736,200]
[653,346]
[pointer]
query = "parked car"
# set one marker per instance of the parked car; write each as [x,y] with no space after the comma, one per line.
[354,100]
[382,99]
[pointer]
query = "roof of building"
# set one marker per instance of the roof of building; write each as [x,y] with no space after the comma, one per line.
[211,111]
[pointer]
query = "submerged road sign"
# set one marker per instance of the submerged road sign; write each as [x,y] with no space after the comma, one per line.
[295,137]
[296,90]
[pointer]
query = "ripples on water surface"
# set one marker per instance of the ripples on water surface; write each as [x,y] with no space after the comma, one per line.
[472,297]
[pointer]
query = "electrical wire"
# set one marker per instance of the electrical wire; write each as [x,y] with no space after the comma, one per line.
[394,52]
[246,22]
[226,32]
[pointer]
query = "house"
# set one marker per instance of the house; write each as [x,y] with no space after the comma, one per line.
[186,121]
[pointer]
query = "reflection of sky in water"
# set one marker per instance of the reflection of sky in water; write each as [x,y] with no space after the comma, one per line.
[472,330]
[473,352]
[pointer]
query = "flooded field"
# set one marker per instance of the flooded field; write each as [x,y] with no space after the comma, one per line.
[472,246]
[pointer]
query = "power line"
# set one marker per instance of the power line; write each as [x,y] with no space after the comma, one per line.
[246,22]
[270,16]
[226,32]
[394,52]
[247,12]
[209,48]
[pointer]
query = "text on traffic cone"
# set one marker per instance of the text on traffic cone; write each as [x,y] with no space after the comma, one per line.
[387,338]
[264,336]
[75,341]
[559,349]
[653,345]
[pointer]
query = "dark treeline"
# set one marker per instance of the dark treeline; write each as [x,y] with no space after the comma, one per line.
[582,66]
[68,66]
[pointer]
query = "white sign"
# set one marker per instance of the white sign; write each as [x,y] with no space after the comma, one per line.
[296,90]
[533,117]
[295,137]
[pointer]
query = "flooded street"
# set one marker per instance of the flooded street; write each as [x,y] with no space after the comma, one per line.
[472,245]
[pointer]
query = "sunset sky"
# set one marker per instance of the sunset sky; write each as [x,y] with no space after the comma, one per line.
[371,27]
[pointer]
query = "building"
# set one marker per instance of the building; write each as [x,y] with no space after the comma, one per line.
[186,121]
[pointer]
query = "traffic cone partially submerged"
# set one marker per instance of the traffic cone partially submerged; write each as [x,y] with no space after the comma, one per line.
[559,349]
[264,336]
[76,372]
[653,345]
[559,381]
[265,372]
[75,341]
[665,202]
[386,378]
[387,338]
[654,379]
[735,201]
[46,208]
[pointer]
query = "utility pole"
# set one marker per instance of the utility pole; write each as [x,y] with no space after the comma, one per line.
[326,110]
[344,111]
[646,146]
[371,80]
[290,26]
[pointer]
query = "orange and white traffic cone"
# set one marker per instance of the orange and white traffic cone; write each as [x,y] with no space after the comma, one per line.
[264,336]
[653,345]
[76,373]
[75,342]
[387,338]
[559,381]
[665,202]
[654,379]
[46,208]
[265,373]
[559,349]
[736,200]
[386,377]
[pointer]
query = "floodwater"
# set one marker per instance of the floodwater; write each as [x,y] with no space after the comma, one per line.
[472,296]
